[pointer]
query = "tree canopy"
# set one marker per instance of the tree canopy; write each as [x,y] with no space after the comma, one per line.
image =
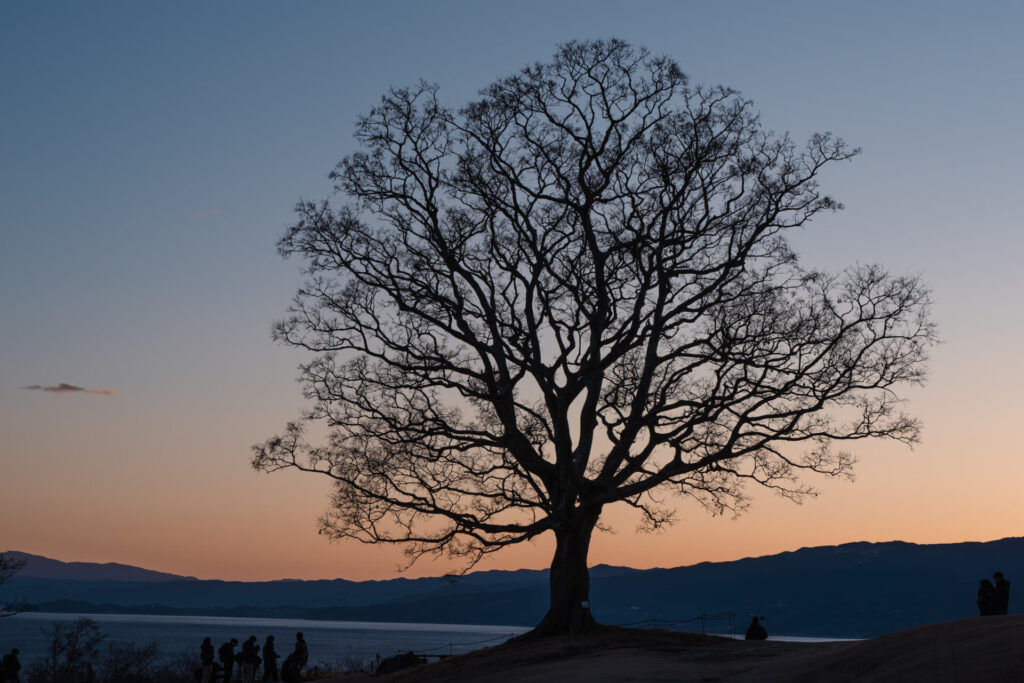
[577,291]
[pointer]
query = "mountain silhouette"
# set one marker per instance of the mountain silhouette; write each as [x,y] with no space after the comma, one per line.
[850,590]
[39,567]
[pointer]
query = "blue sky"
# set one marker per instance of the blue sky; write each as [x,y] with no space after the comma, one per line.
[150,154]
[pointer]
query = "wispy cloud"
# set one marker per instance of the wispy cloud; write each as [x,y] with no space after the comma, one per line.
[65,388]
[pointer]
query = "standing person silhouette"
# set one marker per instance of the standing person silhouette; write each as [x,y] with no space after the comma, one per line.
[206,656]
[10,666]
[986,598]
[301,651]
[226,653]
[270,657]
[255,663]
[247,659]
[1002,601]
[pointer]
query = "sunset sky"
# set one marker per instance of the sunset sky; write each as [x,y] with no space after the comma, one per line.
[150,157]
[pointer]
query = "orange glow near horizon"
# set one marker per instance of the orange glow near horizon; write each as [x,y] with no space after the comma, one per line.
[264,527]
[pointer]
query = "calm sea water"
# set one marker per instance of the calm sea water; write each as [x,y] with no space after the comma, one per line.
[329,641]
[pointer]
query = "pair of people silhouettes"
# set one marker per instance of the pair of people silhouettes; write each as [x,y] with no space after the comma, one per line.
[993,599]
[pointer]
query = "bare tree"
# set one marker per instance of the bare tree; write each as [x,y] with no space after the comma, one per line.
[9,566]
[574,292]
[71,649]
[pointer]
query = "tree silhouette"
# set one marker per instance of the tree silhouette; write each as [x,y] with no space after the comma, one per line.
[70,648]
[574,292]
[9,566]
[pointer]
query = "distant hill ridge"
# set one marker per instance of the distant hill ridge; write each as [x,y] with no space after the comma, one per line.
[39,567]
[853,590]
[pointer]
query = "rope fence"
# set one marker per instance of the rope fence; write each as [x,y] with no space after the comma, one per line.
[451,646]
[728,617]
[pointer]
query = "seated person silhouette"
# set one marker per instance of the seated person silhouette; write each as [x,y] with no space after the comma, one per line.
[756,631]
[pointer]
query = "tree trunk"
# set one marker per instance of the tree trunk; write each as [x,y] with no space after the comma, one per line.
[569,611]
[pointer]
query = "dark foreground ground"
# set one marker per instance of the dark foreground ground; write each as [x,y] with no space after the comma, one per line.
[966,651]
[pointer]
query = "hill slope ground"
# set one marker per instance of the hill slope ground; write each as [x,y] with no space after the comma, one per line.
[970,650]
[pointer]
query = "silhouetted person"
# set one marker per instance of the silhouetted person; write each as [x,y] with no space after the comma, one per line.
[206,657]
[10,666]
[986,598]
[270,658]
[301,651]
[247,660]
[226,654]
[1002,602]
[290,670]
[255,663]
[756,631]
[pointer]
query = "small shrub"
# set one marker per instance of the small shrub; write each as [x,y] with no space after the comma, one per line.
[71,649]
